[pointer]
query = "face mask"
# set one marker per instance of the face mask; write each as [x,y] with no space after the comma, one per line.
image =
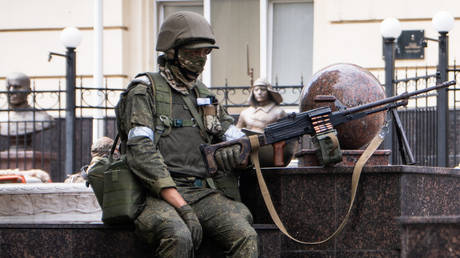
[192,60]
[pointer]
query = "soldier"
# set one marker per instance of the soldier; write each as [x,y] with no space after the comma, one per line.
[162,120]
[263,108]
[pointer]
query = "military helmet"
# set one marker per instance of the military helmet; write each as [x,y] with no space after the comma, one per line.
[185,28]
[276,96]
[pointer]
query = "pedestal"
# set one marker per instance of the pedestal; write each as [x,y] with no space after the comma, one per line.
[393,207]
[26,159]
[307,157]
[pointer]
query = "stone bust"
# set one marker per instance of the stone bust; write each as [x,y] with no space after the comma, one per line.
[264,107]
[21,118]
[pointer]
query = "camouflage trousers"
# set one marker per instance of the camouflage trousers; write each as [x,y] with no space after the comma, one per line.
[225,221]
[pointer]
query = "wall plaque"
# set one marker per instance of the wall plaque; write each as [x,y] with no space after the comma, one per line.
[410,45]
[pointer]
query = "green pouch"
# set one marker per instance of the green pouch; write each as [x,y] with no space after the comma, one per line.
[96,177]
[124,196]
[328,149]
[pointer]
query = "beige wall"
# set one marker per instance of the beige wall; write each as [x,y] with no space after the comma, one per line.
[236,25]
[344,31]
[349,30]
[30,29]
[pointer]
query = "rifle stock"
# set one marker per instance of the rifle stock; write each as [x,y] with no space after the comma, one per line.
[310,122]
[208,151]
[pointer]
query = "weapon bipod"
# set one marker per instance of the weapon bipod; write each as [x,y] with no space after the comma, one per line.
[404,149]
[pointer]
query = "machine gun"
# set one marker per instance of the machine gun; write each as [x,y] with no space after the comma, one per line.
[319,123]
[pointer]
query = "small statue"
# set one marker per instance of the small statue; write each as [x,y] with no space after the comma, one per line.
[21,119]
[264,107]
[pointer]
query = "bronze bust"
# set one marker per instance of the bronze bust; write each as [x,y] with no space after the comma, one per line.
[21,118]
[264,107]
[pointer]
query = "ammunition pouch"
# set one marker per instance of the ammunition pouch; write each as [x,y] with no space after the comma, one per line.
[124,196]
[96,177]
[327,147]
[118,191]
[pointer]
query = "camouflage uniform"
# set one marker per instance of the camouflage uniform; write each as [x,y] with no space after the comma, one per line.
[176,161]
[225,220]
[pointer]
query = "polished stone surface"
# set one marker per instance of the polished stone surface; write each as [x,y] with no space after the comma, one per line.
[312,202]
[308,158]
[400,211]
[430,236]
[341,86]
[98,240]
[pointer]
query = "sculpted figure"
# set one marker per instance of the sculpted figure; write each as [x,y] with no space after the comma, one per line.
[263,109]
[162,121]
[22,118]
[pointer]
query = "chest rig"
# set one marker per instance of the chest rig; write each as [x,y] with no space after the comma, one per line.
[164,122]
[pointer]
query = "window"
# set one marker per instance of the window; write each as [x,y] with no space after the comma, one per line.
[236,26]
[292,42]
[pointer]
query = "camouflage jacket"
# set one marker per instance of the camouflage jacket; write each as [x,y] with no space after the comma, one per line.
[177,153]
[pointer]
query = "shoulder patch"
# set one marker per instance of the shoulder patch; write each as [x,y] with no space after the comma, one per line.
[140,89]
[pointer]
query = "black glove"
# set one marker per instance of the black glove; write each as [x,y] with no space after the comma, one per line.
[188,215]
[228,158]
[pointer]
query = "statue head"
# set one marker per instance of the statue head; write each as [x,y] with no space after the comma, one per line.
[18,86]
[186,38]
[262,94]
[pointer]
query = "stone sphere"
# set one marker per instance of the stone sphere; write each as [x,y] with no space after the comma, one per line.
[352,86]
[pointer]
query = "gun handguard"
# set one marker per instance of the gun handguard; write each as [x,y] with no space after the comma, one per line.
[208,152]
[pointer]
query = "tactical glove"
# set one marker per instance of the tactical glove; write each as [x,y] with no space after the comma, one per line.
[188,215]
[228,158]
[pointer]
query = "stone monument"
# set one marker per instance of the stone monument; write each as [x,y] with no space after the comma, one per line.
[19,123]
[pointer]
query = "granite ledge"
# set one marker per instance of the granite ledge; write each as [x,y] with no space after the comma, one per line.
[396,169]
[44,188]
[408,220]
[97,225]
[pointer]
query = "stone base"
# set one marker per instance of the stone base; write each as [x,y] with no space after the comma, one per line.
[98,240]
[307,157]
[312,202]
[433,236]
[48,203]
[399,211]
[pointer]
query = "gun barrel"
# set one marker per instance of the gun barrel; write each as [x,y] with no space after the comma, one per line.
[405,95]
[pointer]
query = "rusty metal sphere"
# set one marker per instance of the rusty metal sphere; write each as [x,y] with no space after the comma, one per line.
[352,86]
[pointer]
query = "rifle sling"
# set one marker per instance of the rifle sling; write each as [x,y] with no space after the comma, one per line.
[375,143]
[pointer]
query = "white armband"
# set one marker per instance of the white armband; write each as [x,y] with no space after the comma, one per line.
[141,131]
[233,133]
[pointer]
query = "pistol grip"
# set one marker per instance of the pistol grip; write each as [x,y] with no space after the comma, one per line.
[208,155]
[278,153]
[208,152]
